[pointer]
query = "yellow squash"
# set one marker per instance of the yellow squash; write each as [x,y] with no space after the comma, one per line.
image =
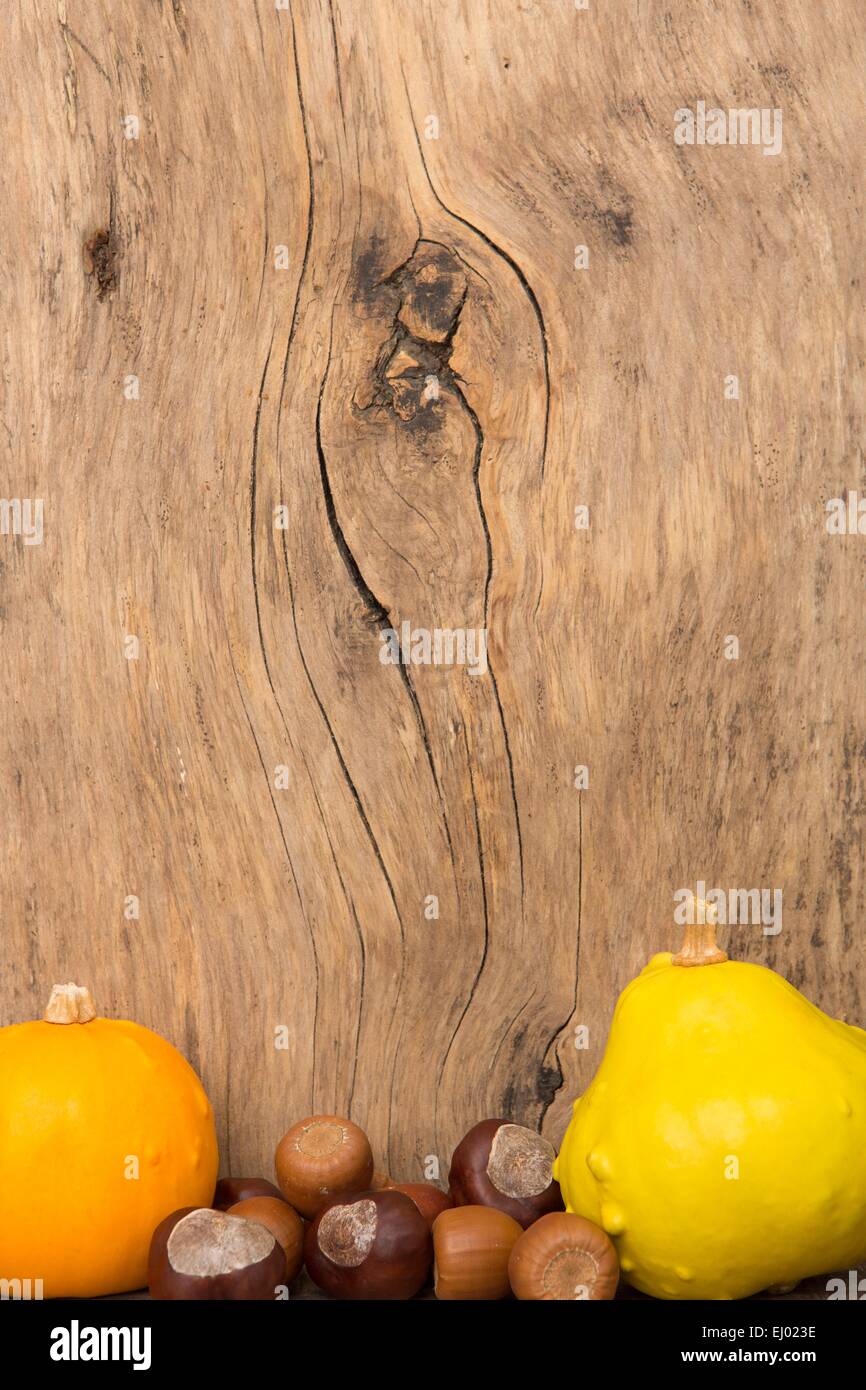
[722,1142]
[104,1130]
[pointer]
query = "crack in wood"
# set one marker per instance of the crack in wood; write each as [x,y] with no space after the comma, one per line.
[100,261]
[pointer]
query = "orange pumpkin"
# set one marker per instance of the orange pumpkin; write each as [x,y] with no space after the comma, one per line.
[104,1130]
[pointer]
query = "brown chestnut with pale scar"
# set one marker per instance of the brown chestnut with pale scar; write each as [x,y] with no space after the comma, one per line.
[471,1248]
[373,1245]
[282,1221]
[321,1158]
[507,1166]
[563,1257]
[199,1253]
[232,1190]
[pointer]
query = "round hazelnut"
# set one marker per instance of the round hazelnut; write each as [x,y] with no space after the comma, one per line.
[283,1223]
[471,1248]
[373,1245]
[199,1253]
[563,1257]
[506,1166]
[232,1190]
[320,1158]
[430,1200]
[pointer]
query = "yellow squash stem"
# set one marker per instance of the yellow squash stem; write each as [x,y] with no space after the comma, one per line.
[69,1004]
[699,941]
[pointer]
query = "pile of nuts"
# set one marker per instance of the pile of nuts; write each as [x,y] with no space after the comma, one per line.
[499,1230]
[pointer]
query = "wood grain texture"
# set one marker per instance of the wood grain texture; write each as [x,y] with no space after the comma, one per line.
[299,378]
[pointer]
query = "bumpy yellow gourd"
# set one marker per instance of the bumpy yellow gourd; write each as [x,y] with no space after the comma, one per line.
[104,1130]
[722,1142]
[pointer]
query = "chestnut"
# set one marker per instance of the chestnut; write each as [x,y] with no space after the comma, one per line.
[430,1200]
[199,1253]
[471,1248]
[283,1223]
[506,1166]
[232,1190]
[320,1158]
[563,1257]
[372,1245]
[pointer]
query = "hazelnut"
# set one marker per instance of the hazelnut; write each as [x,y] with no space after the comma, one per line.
[199,1253]
[283,1223]
[563,1257]
[232,1190]
[373,1245]
[471,1248]
[431,1201]
[507,1166]
[380,1181]
[321,1158]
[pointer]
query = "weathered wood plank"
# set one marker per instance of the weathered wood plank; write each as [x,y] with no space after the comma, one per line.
[384,333]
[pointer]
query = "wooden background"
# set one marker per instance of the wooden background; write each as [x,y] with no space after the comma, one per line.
[273,378]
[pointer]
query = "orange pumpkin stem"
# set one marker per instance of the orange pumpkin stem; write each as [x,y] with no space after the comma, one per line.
[699,939]
[69,1004]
